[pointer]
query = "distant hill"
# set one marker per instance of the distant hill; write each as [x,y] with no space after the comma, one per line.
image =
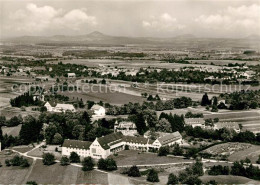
[98,38]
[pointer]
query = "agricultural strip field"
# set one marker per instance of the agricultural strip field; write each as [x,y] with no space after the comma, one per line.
[236,151]
[250,120]
[105,95]
[228,179]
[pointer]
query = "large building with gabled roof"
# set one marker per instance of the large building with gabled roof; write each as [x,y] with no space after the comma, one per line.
[104,146]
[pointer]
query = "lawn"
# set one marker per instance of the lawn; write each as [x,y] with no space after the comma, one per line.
[228,179]
[12,174]
[252,153]
[23,149]
[57,174]
[104,94]
[131,157]
[13,131]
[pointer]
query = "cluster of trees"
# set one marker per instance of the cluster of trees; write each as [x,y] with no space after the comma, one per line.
[152,174]
[175,150]
[242,100]
[72,126]
[168,76]
[174,122]
[219,170]
[131,108]
[14,121]
[243,168]
[189,176]
[25,99]
[17,161]
[223,134]
[107,164]
[193,115]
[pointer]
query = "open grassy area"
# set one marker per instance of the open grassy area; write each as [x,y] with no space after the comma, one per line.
[131,157]
[228,179]
[13,131]
[250,120]
[236,151]
[104,94]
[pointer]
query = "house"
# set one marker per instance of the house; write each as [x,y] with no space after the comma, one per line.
[38,96]
[127,128]
[80,147]
[48,106]
[229,125]
[168,139]
[64,107]
[104,146]
[71,75]
[59,107]
[195,122]
[98,110]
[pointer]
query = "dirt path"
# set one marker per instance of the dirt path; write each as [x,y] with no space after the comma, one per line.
[29,172]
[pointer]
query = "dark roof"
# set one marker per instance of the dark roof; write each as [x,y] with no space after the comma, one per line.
[133,139]
[76,144]
[110,139]
[169,138]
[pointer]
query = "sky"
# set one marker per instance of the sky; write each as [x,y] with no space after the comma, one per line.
[134,18]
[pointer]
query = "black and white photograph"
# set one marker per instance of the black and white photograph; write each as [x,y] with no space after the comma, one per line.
[129,92]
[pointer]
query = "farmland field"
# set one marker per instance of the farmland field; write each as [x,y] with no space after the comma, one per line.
[224,62]
[13,131]
[228,179]
[250,120]
[236,151]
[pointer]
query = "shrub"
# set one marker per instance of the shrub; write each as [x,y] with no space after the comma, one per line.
[163,151]
[152,176]
[172,179]
[64,161]
[7,162]
[88,164]
[134,172]
[74,157]
[48,159]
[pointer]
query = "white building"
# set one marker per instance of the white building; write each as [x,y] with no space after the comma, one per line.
[71,75]
[104,146]
[59,107]
[98,110]
[127,128]
[195,122]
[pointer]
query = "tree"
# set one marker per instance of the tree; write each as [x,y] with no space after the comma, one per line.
[7,162]
[48,159]
[197,168]
[134,172]
[57,139]
[152,176]
[258,161]
[31,183]
[74,157]
[64,161]
[24,163]
[177,150]
[102,164]
[164,151]
[2,120]
[172,179]
[205,100]
[88,164]
[111,165]
[30,131]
